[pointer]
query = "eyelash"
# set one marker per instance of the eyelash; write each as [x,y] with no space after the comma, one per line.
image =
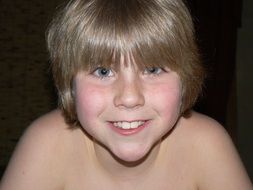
[101,69]
[147,71]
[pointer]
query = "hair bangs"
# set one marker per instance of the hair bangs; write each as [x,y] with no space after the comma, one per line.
[106,41]
[141,54]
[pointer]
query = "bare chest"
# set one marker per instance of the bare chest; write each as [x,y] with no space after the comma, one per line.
[152,185]
[173,180]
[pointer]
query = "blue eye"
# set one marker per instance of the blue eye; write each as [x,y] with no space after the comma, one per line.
[153,70]
[103,72]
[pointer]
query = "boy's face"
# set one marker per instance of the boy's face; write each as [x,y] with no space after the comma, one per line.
[127,109]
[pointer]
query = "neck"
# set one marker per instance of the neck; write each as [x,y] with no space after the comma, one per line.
[122,170]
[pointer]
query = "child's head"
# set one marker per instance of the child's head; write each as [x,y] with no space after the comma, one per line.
[91,33]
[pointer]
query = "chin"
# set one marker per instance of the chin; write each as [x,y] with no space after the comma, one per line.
[130,157]
[131,154]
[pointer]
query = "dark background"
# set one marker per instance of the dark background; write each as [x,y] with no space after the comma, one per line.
[216,24]
[26,89]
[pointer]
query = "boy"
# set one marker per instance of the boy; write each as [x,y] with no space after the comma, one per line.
[127,73]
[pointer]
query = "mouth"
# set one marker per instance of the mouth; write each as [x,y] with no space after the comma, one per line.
[128,125]
[127,128]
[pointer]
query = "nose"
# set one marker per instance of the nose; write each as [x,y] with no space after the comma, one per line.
[129,94]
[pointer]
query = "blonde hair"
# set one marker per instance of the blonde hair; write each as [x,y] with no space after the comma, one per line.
[91,33]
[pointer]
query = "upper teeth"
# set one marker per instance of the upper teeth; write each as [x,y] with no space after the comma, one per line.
[128,125]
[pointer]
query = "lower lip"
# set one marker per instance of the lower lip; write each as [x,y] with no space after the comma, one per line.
[128,132]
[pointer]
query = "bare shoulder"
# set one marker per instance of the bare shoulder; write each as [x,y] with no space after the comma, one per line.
[217,161]
[39,156]
[204,128]
[45,132]
[49,128]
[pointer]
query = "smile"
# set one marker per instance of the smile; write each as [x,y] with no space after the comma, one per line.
[128,125]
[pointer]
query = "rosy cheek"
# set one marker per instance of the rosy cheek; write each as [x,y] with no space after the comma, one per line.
[173,102]
[167,100]
[89,101]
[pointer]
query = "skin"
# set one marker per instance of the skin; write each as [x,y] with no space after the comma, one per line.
[127,95]
[170,152]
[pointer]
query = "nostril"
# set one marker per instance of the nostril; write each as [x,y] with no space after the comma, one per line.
[129,97]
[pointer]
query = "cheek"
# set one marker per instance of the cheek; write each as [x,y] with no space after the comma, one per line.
[167,100]
[90,102]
